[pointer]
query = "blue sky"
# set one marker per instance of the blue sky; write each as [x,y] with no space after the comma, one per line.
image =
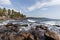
[34,8]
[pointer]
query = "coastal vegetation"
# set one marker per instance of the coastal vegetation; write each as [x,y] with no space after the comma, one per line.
[10,14]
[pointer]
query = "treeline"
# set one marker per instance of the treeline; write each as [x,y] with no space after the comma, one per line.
[11,13]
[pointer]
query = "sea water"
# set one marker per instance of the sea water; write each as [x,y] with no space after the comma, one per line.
[31,21]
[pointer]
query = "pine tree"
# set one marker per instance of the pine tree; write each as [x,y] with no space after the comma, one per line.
[0,12]
[9,11]
[4,12]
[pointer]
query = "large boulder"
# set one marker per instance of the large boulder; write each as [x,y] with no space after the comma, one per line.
[52,34]
[12,27]
[23,36]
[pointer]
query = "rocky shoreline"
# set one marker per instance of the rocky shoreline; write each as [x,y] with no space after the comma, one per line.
[28,32]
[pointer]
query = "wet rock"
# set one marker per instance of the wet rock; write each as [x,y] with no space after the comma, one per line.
[42,27]
[57,25]
[24,36]
[25,25]
[48,38]
[52,34]
[38,34]
[12,27]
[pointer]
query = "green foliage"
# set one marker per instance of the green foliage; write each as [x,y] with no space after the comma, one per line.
[0,12]
[11,13]
[4,12]
[11,16]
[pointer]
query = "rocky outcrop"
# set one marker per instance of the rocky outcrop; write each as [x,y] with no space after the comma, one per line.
[52,34]
[23,36]
[12,27]
[40,32]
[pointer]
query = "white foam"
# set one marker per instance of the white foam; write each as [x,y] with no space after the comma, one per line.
[30,20]
[50,22]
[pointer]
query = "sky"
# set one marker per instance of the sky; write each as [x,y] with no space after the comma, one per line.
[34,8]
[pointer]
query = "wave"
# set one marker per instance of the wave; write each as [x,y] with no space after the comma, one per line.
[49,22]
[30,20]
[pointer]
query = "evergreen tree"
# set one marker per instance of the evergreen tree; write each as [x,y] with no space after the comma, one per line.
[12,11]
[9,11]
[4,12]
[0,12]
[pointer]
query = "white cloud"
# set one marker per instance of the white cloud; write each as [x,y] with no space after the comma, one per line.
[39,5]
[44,9]
[13,9]
[36,6]
[53,2]
[6,2]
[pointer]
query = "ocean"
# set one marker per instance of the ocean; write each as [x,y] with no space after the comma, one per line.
[33,20]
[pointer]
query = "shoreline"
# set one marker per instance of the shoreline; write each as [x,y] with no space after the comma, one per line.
[32,29]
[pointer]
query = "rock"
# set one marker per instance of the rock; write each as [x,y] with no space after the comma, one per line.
[12,27]
[42,27]
[52,34]
[38,34]
[57,25]
[24,36]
